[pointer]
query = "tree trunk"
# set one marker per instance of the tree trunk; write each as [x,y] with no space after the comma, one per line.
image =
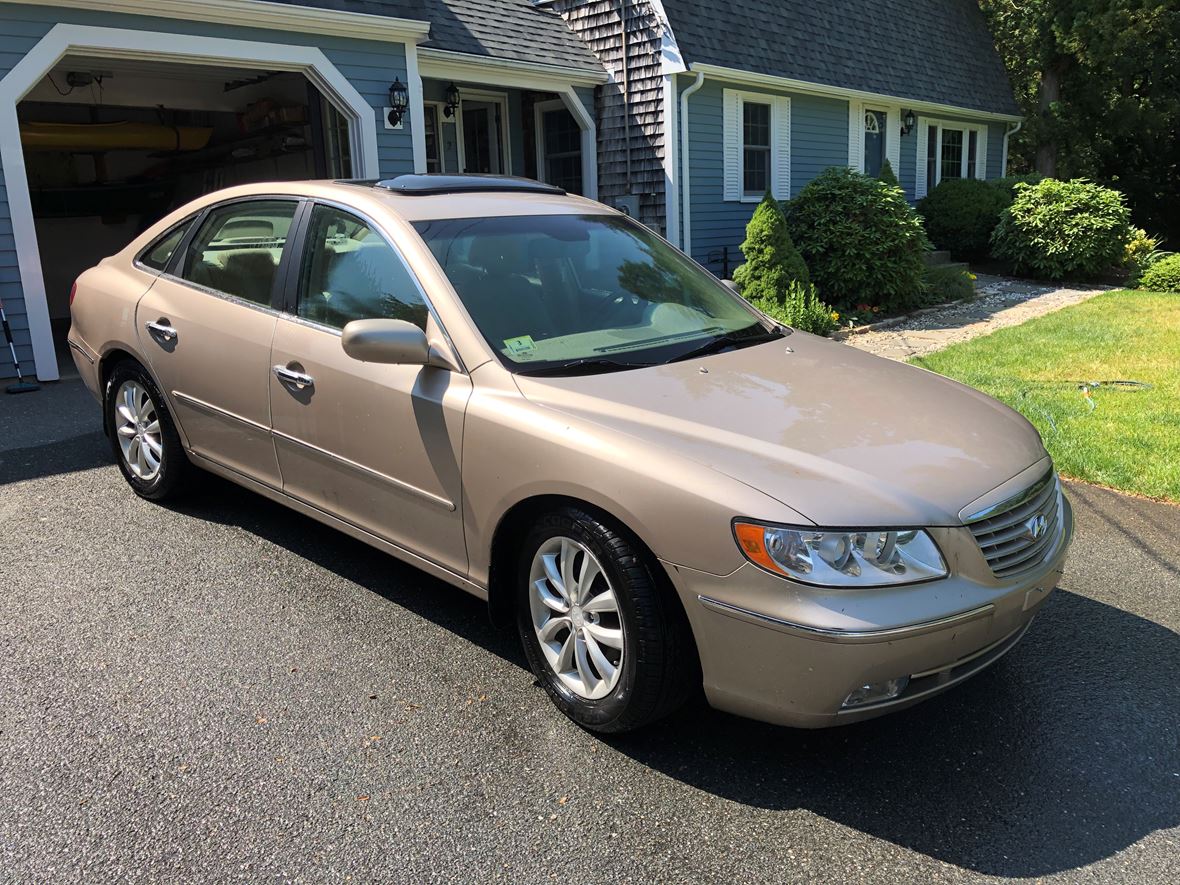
[1047,143]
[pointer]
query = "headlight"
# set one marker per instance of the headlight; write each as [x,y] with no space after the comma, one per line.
[848,558]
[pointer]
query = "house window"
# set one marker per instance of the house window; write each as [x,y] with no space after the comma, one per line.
[951,150]
[559,146]
[755,148]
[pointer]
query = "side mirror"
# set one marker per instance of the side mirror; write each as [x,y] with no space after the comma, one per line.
[386,341]
[731,285]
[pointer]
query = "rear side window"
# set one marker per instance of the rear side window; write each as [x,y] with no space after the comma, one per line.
[237,248]
[351,273]
[158,254]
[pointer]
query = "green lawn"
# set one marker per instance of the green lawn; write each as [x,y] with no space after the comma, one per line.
[1123,438]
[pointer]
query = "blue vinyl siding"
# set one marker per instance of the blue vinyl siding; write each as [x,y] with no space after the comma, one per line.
[819,139]
[369,65]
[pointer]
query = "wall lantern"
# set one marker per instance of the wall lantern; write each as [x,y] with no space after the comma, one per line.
[452,97]
[908,122]
[399,100]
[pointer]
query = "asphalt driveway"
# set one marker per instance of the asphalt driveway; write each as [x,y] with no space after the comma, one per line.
[226,689]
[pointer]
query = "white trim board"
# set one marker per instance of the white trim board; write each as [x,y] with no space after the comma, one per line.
[156,46]
[259,14]
[443,64]
[500,99]
[769,81]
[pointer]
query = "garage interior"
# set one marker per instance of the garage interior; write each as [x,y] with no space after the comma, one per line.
[113,145]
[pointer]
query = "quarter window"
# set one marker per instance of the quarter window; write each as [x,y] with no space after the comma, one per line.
[237,248]
[351,273]
[755,148]
[159,253]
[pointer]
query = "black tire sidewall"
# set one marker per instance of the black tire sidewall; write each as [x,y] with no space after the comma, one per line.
[611,712]
[173,463]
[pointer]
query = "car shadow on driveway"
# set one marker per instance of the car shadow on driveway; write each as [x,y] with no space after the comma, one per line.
[1062,754]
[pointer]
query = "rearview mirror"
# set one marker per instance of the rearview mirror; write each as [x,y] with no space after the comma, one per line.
[386,341]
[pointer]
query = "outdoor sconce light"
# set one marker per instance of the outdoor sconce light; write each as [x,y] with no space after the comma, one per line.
[908,122]
[399,100]
[452,100]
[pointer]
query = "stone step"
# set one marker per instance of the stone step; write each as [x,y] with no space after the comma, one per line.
[939,256]
[952,265]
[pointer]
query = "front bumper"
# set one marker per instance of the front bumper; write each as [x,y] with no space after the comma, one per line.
[790,654]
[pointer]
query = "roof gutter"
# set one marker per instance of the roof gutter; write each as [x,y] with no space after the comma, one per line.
[685,194]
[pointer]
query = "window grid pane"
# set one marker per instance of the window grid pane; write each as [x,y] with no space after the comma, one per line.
[755,148]
[952,153]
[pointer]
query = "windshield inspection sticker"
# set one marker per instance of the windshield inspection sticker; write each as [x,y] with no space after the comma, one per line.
[522,346]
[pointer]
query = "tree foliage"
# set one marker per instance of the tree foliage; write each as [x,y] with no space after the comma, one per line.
[772,261]
[1099,84]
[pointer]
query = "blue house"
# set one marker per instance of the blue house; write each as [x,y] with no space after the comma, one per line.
[680,112]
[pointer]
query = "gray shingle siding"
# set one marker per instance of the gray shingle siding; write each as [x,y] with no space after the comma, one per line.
[638,121]
[938,51]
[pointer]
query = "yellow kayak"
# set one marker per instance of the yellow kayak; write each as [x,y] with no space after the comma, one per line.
[113,136]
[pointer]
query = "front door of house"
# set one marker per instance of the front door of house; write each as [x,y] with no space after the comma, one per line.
[874,142]
[483,136]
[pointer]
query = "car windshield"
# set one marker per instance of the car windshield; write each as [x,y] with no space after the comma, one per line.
[559,294]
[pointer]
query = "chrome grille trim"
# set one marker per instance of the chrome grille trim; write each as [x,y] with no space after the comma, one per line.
[1002,529]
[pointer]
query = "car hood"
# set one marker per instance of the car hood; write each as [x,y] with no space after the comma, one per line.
[838,435]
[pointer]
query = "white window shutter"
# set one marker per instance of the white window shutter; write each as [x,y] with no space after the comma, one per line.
[923,140]
[981,155]
[893,139]
[781,160]
[732,144]
[856,136]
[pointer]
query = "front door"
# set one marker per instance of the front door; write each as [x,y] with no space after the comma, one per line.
[483,136]
[206,327]
[375,445]
[875,128]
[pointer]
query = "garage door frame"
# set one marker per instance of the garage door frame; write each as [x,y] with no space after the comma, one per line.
[120,43]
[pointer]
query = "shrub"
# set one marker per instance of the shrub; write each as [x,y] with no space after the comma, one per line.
[1060,229]
[960,215]
[1008,185]
[1141,254]
[801,309]
[945,284]
[887,175]
[862,241]
[772,261]
[1163,276]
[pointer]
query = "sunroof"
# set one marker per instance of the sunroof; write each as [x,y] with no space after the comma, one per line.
[442,183]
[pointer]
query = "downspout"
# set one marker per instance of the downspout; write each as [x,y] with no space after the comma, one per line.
[1008,133]
[685,194]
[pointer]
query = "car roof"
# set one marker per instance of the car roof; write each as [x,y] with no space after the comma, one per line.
[427,198]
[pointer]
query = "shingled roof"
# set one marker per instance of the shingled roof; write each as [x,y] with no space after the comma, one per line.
[939,51]
[507,29]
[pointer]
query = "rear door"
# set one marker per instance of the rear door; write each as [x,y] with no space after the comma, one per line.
[206,326]
[375,445]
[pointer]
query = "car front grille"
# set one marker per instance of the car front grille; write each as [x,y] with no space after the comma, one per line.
[1017,534]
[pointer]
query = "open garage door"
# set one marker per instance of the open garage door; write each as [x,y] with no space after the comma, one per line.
[112,145]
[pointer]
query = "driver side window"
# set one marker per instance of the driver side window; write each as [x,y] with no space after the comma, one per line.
[351,273]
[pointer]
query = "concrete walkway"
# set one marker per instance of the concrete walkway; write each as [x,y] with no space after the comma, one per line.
[1002,302]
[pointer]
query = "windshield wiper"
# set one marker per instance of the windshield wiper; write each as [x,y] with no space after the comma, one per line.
[731,339]
[588,366]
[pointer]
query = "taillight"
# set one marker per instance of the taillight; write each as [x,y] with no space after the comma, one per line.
[73,292]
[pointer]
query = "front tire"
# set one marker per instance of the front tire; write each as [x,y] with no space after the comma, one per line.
[143,435]
[607,640]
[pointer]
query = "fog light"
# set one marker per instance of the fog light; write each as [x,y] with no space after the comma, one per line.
[875,692]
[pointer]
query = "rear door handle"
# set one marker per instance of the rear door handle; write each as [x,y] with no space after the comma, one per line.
[162,329]
[298,380]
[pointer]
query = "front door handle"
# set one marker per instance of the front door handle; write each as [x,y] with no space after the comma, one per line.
[161,329]
[298,380]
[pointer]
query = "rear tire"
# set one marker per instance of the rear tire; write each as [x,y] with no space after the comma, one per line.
[143,435]
[614,652]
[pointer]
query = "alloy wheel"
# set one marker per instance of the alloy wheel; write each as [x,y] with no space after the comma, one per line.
[137,427]
[575,614]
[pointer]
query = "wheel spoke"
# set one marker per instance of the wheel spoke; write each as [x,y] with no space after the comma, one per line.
[133,453]
[551,628]
[568,580]
[126,414]
[604,603]
[611,636]
[129,394]
[551,599]
[127,430]
[553,573]
[589,571]
[583,664]
[153,427]
[151,458]
[153,446]
[601,663]
[565,657]
[145,407]
[141,461]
